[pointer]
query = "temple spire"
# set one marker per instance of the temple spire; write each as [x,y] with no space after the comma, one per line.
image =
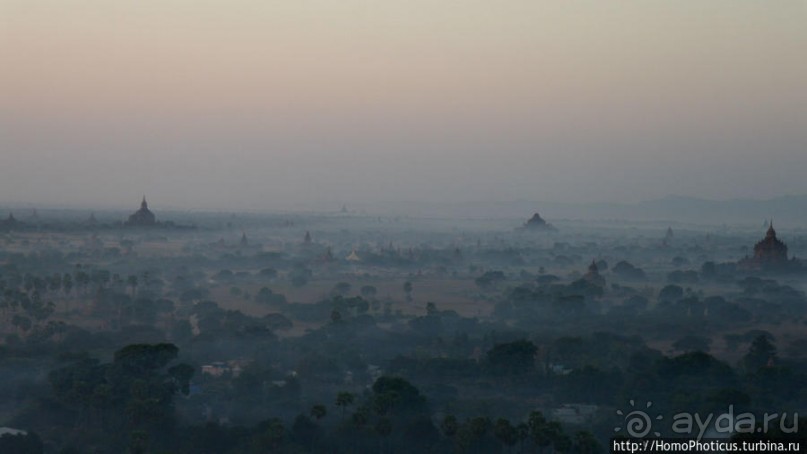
[771,232]
[144,204]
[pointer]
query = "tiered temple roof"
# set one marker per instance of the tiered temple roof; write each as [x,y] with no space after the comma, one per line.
[142,217]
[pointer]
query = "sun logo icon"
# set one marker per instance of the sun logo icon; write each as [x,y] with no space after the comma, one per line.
[638,422]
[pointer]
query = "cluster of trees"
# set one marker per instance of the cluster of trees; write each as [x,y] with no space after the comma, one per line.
[126,403]
[481,434]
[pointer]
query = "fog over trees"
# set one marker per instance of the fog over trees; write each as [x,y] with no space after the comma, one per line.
[340,332]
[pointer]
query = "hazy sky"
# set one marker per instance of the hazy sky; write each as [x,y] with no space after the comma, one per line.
[262,104]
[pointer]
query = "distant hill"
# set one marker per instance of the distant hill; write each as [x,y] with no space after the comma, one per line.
[786,209]
[788,212]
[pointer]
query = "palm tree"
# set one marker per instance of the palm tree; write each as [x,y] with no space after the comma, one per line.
[522,433]
[318,411]
[344,399]
[539,429]
[383,427]
[505,432]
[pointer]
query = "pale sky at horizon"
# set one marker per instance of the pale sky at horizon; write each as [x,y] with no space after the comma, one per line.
[262,104]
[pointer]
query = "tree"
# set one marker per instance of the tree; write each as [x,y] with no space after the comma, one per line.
[505,432]
[341,288]
[55,283]
[761,353]
[513,357]
[360,304]
[135,392]
[627,271]
[539,429]
[449,426]
[82,280]
[407,288]
[344,399]
[361,416]
[67,287]
[181,375]
[267,296]
[368,291]
[21,322]
[131,281]
[708,270]
[383,427]
[318,411]
[304,430]
[101,277]
[138,442]
[522,433]
[478,428]
[299,276]
[585,443]
[671,292]
[138,359]
[489,279]
[270,436]
[396,393]
[558,439]
[692,343]
[421,433]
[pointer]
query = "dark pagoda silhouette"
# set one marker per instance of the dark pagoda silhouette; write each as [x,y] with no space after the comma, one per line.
[593,275]
[10,223]
[770,254]
[668,238]
[592,284]
[537,223]
[142,217]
